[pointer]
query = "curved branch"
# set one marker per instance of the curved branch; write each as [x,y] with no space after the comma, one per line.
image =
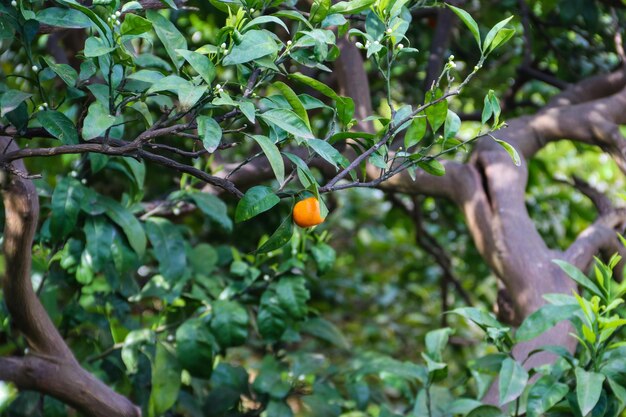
[52,368]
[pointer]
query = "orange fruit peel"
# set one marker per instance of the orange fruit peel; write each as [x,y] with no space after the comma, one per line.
[306,213]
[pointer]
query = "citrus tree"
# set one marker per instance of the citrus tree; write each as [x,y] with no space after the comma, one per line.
[151,261]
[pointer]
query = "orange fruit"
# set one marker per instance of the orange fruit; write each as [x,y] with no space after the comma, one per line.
[306,213]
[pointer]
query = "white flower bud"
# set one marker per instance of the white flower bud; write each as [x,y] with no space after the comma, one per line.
[83,181]
[252,10]
[218,86]
[400,46]
[45,104]
[389,30]
[40,108]
[376,43]
[359,45]
[117,22]
[118,13]
[451,57]
[223,45]
[176,211]
[289,43]
[35,68]
[225,51]
[14,3]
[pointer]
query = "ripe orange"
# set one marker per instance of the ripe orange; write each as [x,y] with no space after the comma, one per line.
[306,213]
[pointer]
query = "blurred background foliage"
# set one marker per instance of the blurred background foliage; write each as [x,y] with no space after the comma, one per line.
[377,289]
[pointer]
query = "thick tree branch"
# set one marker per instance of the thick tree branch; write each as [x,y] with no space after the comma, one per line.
[51,368]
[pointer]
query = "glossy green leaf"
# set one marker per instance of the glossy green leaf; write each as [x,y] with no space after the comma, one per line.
[58,125]
[288,121]
[134,25]
[544,395]
[328,152]
[513,379]
[169,248]
[438,112]
[256,200]
[415,132]
[294,101]
[273,156]
[279,238]
[254,44]
[210,131]
[352,6]
[588,389]
[491,35]
[62,17]
[468,21]
[66,200]
[165,381]
[544,318]
[98,120]
[11,99]
[575,274]
[169,35]
[200,63]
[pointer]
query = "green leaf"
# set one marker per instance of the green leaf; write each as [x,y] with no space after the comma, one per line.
[278,409]
[438,112]
[469,22]
[254,44]
[350,7]
[256,200]
[436,341]
[126,220]
[229,323]
[130,350]
[134,25]
[194,347]
[325,330]
[273,156]
[328,152]
[493,33]
[315,84]
[168,246]
[294,101]
[65,18]
[200,63]
[452,125]
[65,207]
[486,411]
[480,317]
[510,150]
[169,35]
[59,126]
[279,238]
[95,47]
[415,132]
[214,208]
[513,379]
[102,27]
[544,318]
[293,295]
[588,389]
[260,20]
[210,131]
[98,120]
[319,11]
[10,99]
[165,381]
[487,109]
[288,121]
[64,71]
[271,318]
[432,166]
[99,235]
[544,395]
[501,38]
[575,274]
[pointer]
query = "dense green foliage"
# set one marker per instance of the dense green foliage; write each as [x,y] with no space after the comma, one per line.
[195,302]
